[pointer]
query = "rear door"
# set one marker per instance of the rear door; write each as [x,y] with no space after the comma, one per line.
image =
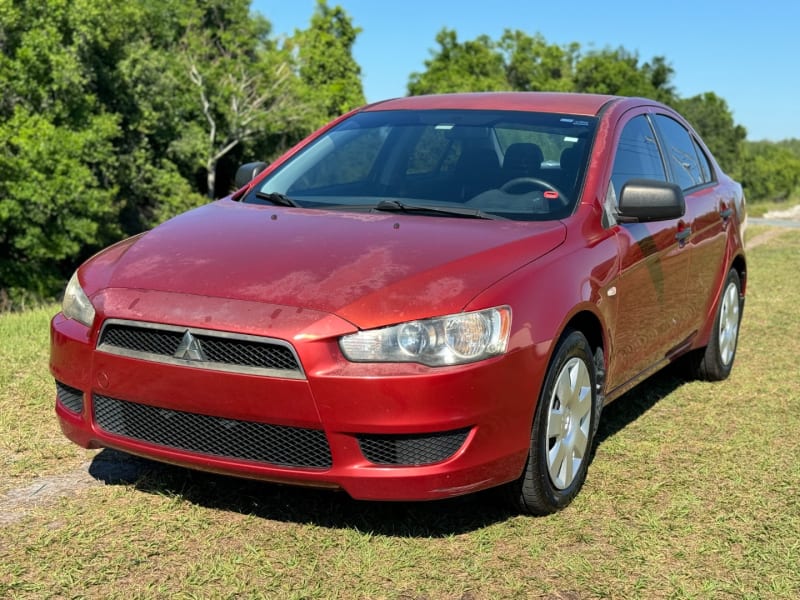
[707,215]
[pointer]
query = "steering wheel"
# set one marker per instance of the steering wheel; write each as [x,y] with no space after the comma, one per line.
[520,182]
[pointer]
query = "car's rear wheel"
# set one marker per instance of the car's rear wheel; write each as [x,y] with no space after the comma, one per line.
[562,433]
[715,362]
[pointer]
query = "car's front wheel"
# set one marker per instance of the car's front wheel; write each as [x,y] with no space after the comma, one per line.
[563,429]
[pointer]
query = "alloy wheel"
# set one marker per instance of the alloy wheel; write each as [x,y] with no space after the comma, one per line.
[568,422]
[729,324]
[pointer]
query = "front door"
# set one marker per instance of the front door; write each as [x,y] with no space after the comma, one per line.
[653,265]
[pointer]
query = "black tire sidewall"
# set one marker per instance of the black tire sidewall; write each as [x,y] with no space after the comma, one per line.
[712,367]
[538,492]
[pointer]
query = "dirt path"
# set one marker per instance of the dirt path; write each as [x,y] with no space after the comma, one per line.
[763,238]
[791,214]
[780,220]
[20,501]
[108,466]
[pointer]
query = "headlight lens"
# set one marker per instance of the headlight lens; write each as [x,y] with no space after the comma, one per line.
[450,340]
[76,304]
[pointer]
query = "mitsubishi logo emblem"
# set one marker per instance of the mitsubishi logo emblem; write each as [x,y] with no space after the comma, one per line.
[189,348]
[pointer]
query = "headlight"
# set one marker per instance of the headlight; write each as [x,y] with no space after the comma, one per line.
[76,304]
[451,340]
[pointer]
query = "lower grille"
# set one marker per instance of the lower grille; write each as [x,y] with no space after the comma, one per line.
[411,450]
[69,397]
[216,436]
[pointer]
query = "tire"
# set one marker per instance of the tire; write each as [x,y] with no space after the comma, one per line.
[714,363]
[562,433]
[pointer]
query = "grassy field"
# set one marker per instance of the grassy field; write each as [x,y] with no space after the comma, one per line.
[694,492]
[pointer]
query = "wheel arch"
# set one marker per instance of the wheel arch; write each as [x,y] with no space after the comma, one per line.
[589,324]
[740,264]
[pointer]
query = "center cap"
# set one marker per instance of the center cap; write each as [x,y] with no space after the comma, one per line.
[566,422]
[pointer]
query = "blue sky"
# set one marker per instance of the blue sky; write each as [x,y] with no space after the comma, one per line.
[746,52]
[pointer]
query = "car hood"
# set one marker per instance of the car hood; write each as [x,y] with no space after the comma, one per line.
[370,269]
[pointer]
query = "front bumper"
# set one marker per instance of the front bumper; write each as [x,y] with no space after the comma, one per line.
[377,431]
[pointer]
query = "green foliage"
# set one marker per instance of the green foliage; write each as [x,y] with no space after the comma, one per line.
[331,75]
[116,116]
[522,62]
[531,64]
[710,116]
[228,82]
[792,145]
[619,73]
[475,65]
[56,144]
[769,171]
[55,195]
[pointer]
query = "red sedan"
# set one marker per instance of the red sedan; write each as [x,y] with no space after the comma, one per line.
[428,297]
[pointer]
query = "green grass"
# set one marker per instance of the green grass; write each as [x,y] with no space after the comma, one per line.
[694,492]
[31,443]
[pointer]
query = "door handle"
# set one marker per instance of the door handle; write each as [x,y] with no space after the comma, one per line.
[683,234]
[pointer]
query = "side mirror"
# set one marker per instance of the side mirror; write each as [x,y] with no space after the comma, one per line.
[644,200]
[246,173]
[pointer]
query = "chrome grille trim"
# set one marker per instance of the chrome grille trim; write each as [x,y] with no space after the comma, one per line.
[228,352]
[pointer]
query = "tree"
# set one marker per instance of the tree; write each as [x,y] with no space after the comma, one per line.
[475,65]
[331,75]
[113,116]
[239,82]
[522,62]
[768,171]
[792,145]
[710,116]
[618,72]
[531,64]
[56,142]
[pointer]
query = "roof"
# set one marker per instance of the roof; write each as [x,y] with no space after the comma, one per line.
[570,103]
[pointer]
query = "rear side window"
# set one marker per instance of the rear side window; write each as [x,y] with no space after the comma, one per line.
[637,155]
[705,164]
[681,154]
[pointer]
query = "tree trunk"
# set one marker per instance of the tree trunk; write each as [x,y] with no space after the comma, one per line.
[211,178]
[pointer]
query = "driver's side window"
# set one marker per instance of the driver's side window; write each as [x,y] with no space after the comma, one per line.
[637,157]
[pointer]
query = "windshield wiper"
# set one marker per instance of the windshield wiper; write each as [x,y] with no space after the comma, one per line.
[277,198]
[453,211]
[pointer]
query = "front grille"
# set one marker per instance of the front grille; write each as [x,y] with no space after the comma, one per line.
[411,450]
[140,339]
[70,397]
[229,438]
[252,354]
[201,348]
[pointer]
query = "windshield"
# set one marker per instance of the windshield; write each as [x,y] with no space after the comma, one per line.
[514,165]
